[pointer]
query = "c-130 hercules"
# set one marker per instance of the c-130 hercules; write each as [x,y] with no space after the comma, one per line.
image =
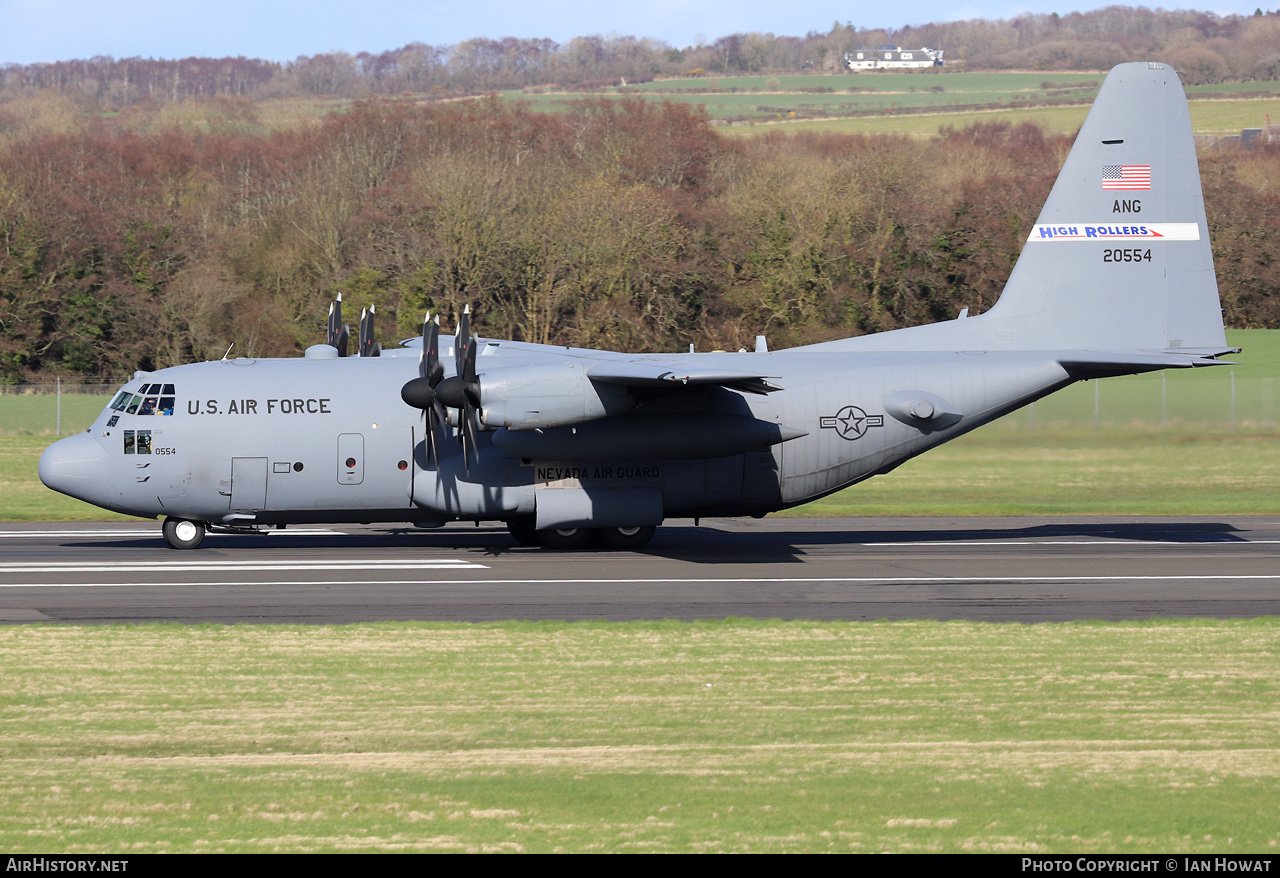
[566,444]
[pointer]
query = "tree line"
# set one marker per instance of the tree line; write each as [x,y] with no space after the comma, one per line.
[1203,46]
[621,224]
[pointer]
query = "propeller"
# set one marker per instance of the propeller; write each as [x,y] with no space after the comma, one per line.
[462,391]
[338,333]
[421,392]
[368,347]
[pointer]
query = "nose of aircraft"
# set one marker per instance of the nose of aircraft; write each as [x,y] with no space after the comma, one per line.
[76,466]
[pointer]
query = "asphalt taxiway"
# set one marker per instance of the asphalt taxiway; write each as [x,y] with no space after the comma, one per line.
[1007,569]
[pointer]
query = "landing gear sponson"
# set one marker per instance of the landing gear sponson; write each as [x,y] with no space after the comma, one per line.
[181,533]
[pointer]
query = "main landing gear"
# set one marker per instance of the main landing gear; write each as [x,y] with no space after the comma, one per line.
[627,539]
[180,533]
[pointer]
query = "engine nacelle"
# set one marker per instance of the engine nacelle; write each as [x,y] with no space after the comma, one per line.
[558,395]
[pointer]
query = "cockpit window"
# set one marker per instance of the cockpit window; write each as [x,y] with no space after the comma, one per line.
[147,401]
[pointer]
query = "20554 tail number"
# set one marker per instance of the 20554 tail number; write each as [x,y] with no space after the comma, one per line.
[1127,254]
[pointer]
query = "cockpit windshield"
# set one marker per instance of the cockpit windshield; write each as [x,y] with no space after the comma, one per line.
[149,399]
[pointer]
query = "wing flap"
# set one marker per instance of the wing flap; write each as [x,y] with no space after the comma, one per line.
[668,373]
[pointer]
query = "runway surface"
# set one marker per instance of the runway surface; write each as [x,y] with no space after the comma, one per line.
[1025,570]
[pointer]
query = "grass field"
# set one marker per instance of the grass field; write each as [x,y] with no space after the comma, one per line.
[893,99]
[953,96]
[714,736]
[1207,117]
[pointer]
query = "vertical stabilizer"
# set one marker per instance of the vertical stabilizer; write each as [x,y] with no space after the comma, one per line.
[1119,257]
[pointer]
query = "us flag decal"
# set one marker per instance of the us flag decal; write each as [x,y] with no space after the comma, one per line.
[1126,176]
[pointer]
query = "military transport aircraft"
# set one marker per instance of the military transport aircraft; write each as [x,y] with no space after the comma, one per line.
[565,445]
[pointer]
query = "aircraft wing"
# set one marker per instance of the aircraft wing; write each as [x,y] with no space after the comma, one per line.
[665,373]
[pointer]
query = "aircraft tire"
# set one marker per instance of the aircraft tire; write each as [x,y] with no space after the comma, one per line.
[565,539]
[180,533]
[524,532]
[627,539]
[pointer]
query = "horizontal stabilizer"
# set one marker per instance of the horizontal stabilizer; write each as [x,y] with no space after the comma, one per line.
[1101,364]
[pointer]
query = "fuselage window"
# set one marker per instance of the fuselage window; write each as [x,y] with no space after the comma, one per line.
[148,406]
[137,441]
[166,403]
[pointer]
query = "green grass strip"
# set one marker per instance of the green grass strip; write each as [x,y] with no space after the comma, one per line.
[715,736]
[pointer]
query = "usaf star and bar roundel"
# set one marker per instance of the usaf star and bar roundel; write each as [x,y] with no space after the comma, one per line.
[851,422]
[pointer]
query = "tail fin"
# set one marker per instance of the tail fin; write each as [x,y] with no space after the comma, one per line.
[1119,258]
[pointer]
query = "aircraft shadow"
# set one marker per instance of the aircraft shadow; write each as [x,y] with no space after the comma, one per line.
[701,545]
[713,545]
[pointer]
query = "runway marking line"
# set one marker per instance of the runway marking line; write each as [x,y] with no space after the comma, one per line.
[152,532]
[213,566]
[1135,542]
[900,580]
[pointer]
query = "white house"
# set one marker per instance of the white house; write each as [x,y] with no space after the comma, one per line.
[892,58]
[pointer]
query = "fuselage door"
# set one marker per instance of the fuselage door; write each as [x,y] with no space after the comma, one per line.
[350,458]
[248,483]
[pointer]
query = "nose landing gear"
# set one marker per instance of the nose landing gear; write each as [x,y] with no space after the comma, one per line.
[180,533]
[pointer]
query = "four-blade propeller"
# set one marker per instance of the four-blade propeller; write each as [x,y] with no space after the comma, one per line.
[431,391]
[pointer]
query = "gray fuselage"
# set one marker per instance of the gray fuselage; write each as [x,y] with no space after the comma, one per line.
[252,442]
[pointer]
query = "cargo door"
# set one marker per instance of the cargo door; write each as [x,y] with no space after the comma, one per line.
[248,484]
